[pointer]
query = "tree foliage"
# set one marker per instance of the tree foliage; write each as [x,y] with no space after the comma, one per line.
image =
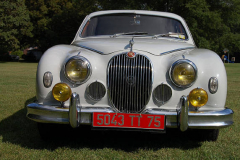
[57,21]
[214,24]
[15,24]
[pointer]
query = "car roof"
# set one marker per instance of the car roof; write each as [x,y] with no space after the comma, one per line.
[146,12]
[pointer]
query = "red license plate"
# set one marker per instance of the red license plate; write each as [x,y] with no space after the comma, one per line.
[126,120]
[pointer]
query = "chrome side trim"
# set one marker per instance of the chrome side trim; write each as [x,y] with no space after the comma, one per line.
[74,108]
[175,50]
[91,49]
[183,114]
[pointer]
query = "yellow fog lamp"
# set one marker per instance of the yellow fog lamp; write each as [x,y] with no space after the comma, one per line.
[198,97]
[183,73]
[61,92]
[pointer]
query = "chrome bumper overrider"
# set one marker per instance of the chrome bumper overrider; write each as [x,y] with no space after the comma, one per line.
[181,118]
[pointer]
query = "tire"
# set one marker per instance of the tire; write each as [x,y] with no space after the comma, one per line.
[212,134]
[47,131]
[206,134]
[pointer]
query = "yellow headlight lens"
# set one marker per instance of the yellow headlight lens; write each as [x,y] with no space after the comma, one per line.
[77,70]
[198,97]
[61,92]
[183,74]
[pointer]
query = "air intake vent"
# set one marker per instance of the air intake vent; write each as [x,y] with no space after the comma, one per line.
[96,91]
[129,82]
[162,93]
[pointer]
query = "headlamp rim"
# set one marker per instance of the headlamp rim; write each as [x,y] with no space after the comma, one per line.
[89,69]
[180,61]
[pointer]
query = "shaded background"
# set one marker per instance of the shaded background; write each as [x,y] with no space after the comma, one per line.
[215,24]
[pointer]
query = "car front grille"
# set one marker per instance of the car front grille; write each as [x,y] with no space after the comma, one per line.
[129,82]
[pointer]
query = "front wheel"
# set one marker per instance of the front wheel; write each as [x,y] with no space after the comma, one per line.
[206,134]
[46,131]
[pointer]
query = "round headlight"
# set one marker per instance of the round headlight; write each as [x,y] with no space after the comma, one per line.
[78,70]
[61,92]
[183,73]
[198,97]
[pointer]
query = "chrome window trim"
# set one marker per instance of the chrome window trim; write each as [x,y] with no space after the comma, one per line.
[179,62]
[89,67]
[145,14]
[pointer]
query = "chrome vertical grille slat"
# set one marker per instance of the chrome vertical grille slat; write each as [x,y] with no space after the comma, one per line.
[129,82]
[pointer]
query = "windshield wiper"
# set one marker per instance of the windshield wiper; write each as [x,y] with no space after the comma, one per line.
[171,35]
[129,33]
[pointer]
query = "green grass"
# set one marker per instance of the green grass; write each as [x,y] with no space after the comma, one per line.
[19,138]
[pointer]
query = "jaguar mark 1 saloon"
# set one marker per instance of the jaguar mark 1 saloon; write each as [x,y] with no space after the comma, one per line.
[132,70]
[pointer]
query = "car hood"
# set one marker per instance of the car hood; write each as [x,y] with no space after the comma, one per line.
[153,46]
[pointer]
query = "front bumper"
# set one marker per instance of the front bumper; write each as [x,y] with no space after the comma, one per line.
[181,118]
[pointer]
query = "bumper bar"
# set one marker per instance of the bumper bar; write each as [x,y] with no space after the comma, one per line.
[181,118]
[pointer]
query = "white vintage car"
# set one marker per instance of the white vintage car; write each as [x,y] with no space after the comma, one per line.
[132,70]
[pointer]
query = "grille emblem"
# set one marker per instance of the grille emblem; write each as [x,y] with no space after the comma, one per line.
[130,80]
[131,54]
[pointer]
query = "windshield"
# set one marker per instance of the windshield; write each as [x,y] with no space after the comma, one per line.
[125,23]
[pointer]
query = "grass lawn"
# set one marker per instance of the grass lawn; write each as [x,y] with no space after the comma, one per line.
[19,138]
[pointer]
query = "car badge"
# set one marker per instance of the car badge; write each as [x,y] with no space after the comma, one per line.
[131,80]
[131,54]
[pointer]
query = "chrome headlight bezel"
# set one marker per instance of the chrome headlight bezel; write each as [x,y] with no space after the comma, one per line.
[181,61]
[89,69]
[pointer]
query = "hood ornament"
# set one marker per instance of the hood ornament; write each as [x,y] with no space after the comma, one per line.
[131,54]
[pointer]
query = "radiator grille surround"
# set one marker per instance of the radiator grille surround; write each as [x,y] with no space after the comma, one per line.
[129,82]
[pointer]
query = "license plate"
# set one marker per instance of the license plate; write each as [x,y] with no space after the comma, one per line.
[126,120]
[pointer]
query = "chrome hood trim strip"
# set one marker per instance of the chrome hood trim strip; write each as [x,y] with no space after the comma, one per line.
[175,50]
[91,49]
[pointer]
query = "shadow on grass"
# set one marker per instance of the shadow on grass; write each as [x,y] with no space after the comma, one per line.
[19,130]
